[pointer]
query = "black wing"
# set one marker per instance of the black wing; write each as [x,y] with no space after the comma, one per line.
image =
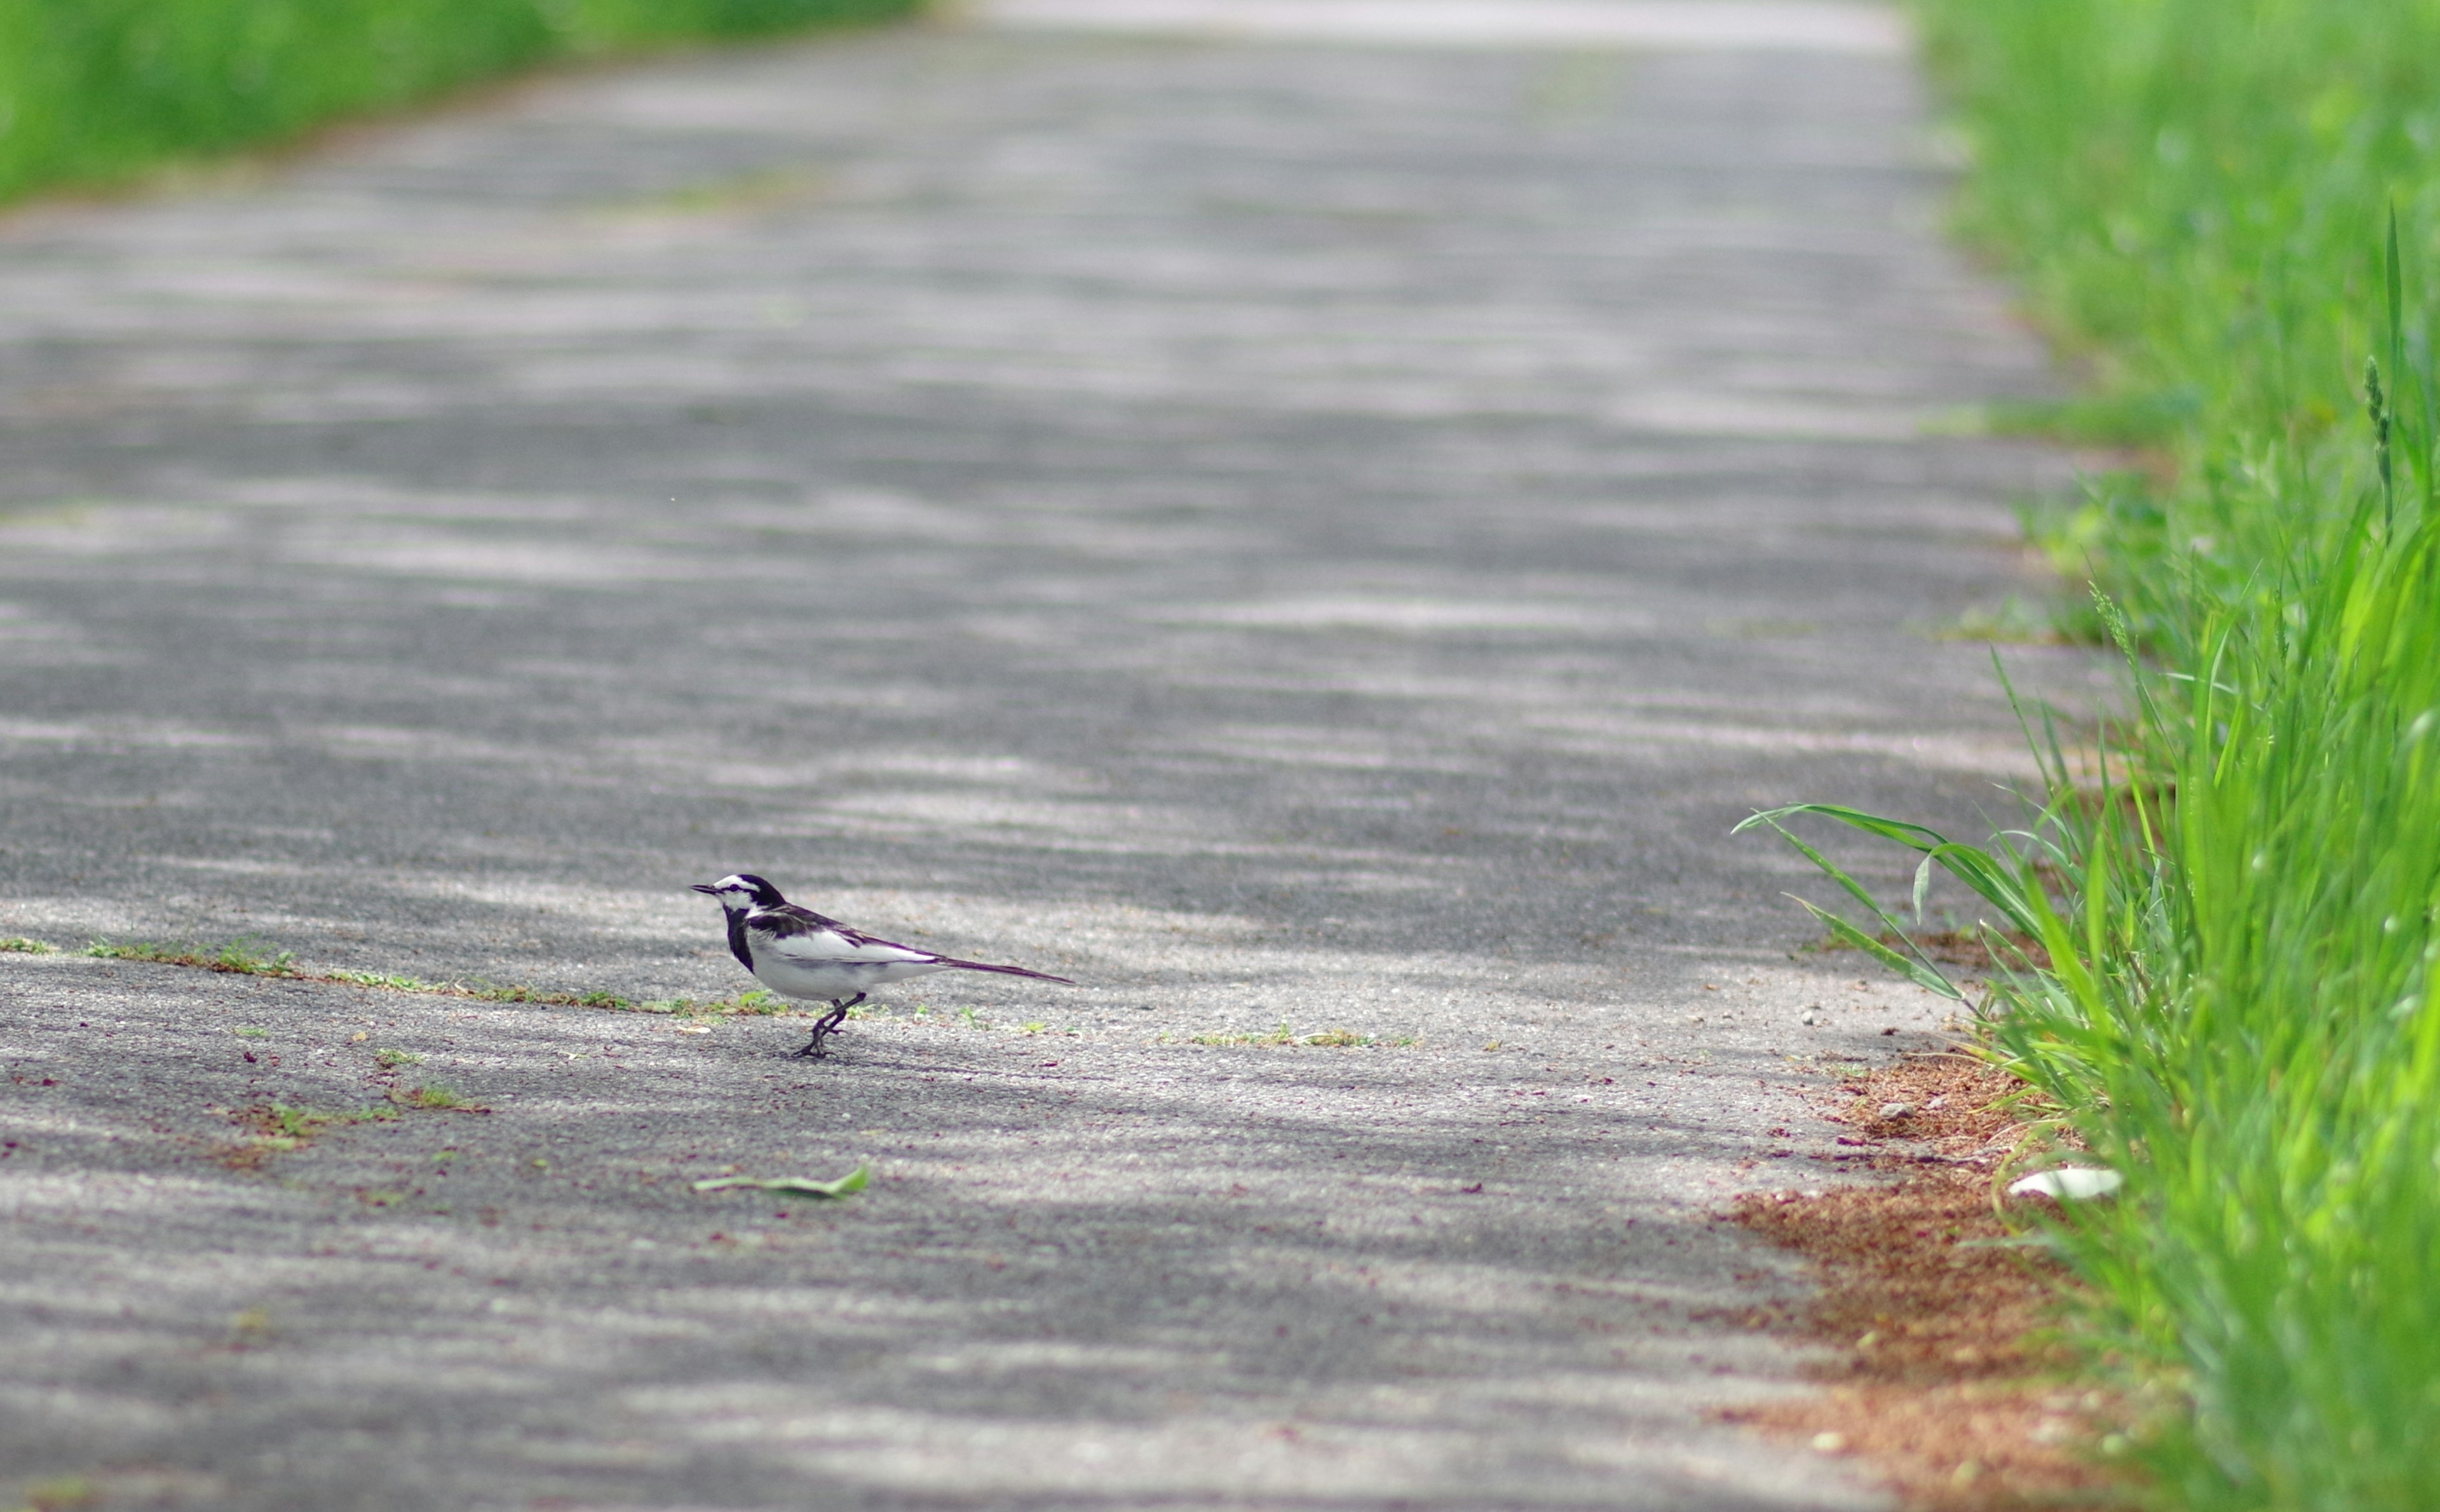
[789,919]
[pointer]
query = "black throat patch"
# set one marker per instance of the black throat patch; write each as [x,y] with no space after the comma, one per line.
[737,941]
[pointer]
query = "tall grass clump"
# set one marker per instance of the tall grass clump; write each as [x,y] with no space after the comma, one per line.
[2227,980]
[95,90]
[2253,1032]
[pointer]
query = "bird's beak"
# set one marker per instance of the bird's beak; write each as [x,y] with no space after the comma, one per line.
[704,887]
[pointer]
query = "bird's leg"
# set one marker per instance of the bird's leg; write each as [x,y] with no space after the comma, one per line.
[827,1022]
[838,1010]
[821,1028]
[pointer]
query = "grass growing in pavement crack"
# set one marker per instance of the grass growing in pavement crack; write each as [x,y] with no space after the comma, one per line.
[1282,1036]
[436,1099]
[281,1129]
[241,957]
[244,957]
[238,956]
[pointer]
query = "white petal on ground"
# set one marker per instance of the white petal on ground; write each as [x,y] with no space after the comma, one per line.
[2069,1183]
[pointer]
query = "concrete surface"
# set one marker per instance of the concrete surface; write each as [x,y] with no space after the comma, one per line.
[1282,531]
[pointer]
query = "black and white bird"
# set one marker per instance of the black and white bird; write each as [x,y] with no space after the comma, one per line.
[799,955]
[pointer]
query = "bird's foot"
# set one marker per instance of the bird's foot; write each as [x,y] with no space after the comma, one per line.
[826,1026]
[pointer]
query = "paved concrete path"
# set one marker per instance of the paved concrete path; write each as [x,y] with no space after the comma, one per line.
[1282,531]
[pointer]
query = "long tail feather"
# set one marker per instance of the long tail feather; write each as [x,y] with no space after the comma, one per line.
[1005,970]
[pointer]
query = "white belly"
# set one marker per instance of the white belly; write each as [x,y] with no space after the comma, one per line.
[829,981]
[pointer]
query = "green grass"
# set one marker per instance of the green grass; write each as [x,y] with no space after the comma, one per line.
[2231,990]
[279,1128]
[437,1099]
[244,957]
[2194,190]
[291,1121]
[1283,1035]
[2236,997]
[237,958]
[94,91]
[2193,196]
[390,980]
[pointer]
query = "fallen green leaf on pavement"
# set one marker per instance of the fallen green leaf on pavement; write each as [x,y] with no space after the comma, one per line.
[791,1186]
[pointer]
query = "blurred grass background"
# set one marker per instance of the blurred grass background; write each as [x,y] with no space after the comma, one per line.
[2192,192]
[2192,195]
[94,91]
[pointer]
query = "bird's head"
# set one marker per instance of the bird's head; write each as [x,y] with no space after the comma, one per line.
[737,894]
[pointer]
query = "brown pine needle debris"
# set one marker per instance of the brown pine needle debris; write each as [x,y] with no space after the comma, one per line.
[1942,1373]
